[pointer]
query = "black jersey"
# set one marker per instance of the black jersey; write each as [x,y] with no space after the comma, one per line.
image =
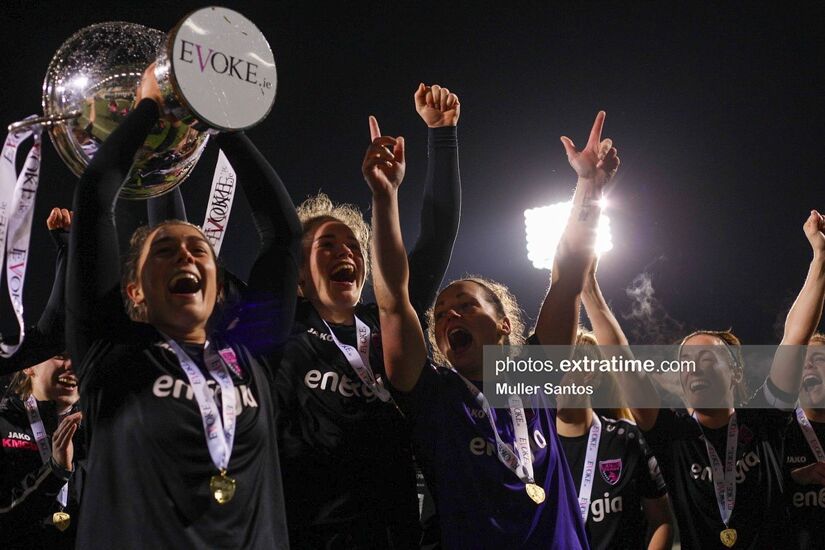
[28,487]
[626,472]
[149,467]
[345,454]
[806,503]
[758,515]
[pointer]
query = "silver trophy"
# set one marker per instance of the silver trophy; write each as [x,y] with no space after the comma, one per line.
[215,70]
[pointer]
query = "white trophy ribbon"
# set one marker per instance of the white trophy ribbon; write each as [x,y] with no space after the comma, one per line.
[17,196]
[42,440]
[810,435]
[359,359]
[221,197]
[589,469]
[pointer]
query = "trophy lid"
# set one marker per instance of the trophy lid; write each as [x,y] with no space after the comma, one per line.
[222,68]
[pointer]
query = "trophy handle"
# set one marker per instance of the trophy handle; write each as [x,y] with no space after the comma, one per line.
[47,121]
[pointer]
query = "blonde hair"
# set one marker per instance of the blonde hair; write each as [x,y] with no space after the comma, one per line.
[319,209]
[500,297]
[609,390]
[734,347]
[130,266]
[817,338]
[21,384]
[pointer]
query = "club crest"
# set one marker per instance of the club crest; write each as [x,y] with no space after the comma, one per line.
[611,470]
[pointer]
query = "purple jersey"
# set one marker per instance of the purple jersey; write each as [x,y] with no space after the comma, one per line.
[481,503]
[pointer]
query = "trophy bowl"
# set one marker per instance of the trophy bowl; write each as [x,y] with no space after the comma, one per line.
[215,72]
[89,89]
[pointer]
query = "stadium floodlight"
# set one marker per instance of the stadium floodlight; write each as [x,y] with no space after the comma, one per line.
[544,226]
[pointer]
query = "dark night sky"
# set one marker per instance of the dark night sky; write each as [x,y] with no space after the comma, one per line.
[716,111]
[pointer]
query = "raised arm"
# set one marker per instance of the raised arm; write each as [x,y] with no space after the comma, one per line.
[401,336]
[636,388]
[440,213]
[595,166]
[47,339]
[93,303]
[604,323]
[166,207]
[804,316]
[274,275]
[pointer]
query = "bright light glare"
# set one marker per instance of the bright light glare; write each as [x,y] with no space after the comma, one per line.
[79,82]
[545,225]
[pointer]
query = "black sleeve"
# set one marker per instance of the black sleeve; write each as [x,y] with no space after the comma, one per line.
[93,302]
[52,319]
[440,215]
[166,207]
[661,437]
[650,481]
[32,497]
[273,281]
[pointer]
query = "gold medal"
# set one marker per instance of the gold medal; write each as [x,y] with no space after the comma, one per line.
[222,487]
[728,537]
[61,520]
[535,492]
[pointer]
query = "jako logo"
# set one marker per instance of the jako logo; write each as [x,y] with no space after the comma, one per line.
[340,383]
[325,336]
[221,63]
[743,466]
[602,506]
[166,386]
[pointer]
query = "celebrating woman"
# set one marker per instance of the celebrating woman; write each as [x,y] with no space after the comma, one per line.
[498,477]
[346,458]
[183,451]
[40,443]
[722,461]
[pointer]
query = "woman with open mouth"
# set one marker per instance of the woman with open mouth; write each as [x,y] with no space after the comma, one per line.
[41,440]
[804,456]
[721,461]
[345,451]
[39,423]
[183,451]
[498,477]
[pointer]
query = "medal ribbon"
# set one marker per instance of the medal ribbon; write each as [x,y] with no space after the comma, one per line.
[219,428]
[724,481]
[17,194]
[221,196]
[359,359]
[42,440]
[589,470]
[519,462]
[810,435]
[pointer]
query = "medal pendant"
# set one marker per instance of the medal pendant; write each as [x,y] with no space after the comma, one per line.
[728,537]
[535,493]
[61,520]
[222,487]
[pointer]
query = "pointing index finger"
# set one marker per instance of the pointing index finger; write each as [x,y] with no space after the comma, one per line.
[375,131]
[596,131]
